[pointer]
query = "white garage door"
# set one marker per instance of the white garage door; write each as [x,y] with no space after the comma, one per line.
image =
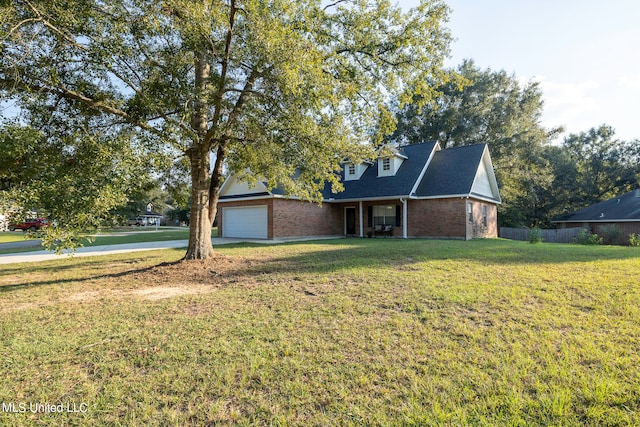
[245,222]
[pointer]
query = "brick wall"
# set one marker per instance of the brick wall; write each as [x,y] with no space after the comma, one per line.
[293,218]
[446,218]
[437,218]
[477,229]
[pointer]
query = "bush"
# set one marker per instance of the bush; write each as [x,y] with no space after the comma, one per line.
[611,234]
[586,237]
[534,235]
[634,239]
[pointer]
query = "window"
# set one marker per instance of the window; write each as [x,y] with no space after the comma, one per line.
[470,211]
[352,169]
[484,216]
[384,215]
[386,164]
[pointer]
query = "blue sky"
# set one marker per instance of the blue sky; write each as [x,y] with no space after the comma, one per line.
[585,54]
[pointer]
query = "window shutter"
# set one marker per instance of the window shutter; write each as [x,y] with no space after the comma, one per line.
[370,216]
[398,215]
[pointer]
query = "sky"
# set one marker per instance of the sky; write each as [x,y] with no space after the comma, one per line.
[584,53]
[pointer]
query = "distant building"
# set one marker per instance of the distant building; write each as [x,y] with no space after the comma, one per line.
[622,211]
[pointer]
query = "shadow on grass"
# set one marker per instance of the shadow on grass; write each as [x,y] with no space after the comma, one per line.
[334,256]
[85,269]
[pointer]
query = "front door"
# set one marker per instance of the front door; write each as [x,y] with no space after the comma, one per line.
[350,221]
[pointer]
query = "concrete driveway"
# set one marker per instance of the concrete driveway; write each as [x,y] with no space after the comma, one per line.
[42,255]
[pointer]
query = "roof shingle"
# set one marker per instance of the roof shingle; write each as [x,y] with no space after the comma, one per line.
[623,208]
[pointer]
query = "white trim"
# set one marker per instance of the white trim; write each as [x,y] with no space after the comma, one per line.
[361,219]
[242,199]
[404,217]
[371,199]
[232,180]
[596,220]
[268,196]
[225,184]
[487,165]
[461,196]
[366,199]
[435,149]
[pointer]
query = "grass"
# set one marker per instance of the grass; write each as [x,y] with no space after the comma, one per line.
[12,236]
[111,237]
[345,332]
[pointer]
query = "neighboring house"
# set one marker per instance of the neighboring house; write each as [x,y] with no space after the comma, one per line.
[418,191]
[4,224]
[151,217]
[622,211]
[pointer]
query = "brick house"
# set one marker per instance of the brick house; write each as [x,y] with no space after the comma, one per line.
[419,190]
[622,212]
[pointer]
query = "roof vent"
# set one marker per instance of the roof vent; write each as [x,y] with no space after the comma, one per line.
[602,215]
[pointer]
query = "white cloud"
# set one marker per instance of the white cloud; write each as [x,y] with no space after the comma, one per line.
[630,82]
[572,105]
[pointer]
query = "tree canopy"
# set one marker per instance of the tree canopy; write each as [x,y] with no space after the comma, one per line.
[589,167]
[267,86]
[495,108]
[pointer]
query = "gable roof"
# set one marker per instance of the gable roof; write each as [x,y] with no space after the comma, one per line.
[370,185]
[457,172]
[426,172]
[624,208]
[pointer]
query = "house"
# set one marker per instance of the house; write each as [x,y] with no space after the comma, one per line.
[418,190]
[622,212]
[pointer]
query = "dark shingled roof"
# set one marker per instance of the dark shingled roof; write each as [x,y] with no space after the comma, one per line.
[371,186]
[451,172]
[622,208]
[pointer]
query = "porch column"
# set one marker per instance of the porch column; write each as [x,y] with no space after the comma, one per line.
[360,216]
[404,218]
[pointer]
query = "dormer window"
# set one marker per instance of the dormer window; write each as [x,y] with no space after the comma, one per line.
[388,166]
[354,171]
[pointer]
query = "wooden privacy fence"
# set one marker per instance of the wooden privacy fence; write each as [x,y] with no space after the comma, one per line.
[560,235]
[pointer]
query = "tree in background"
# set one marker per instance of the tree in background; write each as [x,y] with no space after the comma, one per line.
[590,167]
[271,87]
[72,175]
[494,108]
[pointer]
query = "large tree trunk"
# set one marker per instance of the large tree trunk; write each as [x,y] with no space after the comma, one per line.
[200,223]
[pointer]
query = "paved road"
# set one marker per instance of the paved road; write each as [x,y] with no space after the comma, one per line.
[43,255]
[21,244]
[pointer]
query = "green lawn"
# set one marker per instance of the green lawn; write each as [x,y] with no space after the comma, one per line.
[12,236]
[110,237]
[345,332]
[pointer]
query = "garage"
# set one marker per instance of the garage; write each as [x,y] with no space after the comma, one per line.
[245,222]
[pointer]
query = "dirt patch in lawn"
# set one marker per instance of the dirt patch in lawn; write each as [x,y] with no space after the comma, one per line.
[217,270]
[166,280]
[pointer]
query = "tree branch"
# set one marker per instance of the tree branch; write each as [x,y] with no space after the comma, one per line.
[63,92]
[52,27]
[333,4]
[223,74]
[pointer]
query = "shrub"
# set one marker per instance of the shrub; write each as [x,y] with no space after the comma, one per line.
[586,237]
[634,239]
[534,235]
[611,234]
